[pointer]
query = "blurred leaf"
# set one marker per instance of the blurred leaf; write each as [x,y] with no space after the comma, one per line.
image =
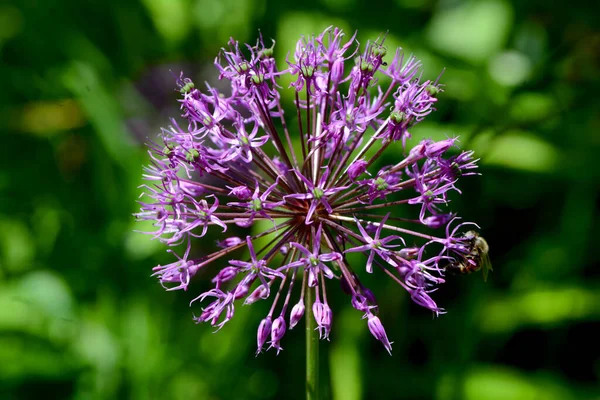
[345,358]
[520,150]
[171,17]
[532,107]
[545,307]
[101,108]
[510,68]
[17,245]
[473,30]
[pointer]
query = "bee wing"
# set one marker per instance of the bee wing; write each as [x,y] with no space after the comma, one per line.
[486,265]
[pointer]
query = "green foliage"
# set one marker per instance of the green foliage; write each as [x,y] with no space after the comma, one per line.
[84,84]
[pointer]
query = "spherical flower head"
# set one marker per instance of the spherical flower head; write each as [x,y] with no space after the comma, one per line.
[233,163]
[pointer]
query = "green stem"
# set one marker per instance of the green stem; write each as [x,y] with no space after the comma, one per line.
[312,350]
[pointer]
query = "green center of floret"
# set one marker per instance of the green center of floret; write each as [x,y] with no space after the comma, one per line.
[244,139]
[381,184]
[308,71]
[187,88]
[242,67]
[314,261]
[432,90]
[266,53]
[192,155]
[397,117]
[380,51]
[207,121]
[366,66]
[256,205]
[455,168]
[318,193]
[258,79]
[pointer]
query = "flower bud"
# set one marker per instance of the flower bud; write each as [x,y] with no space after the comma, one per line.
[264,330]
[377,330]
[229,242]
[241,192]
[261,292]
[360,302]
[323,316]
[370,297]
[296,314]
[284,249]
[419,151]
[277,331]
[409,252]
[281,166]
[437,221]
[191,189]
[356,169]
[226,274]
[241,290]
[436,149]
[371,227]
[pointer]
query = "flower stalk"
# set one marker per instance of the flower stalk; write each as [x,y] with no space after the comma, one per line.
[312,352]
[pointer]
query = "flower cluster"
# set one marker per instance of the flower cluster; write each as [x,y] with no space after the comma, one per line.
[237,161]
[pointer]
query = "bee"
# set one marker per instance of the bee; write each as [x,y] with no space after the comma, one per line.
[477,258]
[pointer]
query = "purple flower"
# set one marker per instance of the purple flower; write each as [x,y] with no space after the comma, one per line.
[224,302]
[317,194]
[323,315]
[180,271]
[229,242]
[264,330]
[237,160]
[256,268]
[376,245]
[258,205]
[296,314]
[241,145]
[313,260]
[431,193]
[356,169]
[376,328]
[277,331]
[241,192]
[383,184]
[225,275]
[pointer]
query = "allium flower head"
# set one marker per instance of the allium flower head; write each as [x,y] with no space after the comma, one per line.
[312,173]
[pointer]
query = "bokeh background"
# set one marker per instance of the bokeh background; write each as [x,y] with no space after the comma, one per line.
[84,83]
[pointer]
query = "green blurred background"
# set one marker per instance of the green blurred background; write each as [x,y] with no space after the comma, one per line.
[84,83]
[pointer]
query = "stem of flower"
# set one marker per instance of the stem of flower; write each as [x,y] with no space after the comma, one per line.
[386,226]
[312,349]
